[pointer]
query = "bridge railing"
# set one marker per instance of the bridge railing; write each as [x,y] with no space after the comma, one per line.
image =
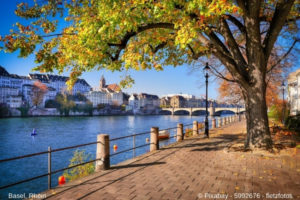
[155,139]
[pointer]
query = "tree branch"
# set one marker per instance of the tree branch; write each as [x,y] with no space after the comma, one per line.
[282,9]
[220,75]
[237,23]
[128,35]
[232,45]
[195,55]
[284,56]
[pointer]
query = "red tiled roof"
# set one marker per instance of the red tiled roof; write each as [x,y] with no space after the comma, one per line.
[114,87]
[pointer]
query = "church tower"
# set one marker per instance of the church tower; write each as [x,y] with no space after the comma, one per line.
[102,82]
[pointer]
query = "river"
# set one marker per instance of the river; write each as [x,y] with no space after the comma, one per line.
[58,132]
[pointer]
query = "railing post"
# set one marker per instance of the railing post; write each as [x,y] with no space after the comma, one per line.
[195,128]
[49,168]
[179,132]
[213,123]
[102,154]
[154,139]
[219,122]
[239,116]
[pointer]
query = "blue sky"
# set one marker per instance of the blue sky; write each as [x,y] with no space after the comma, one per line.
[170,81]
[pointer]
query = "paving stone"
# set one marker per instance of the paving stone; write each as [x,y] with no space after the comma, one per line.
[185,170]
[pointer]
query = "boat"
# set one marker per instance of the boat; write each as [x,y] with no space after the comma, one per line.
[33,133]
[162,135]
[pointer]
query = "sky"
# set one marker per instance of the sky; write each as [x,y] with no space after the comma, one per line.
[170,81]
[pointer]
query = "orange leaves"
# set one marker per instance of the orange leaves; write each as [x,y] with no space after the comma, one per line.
[234,10]
[40,86]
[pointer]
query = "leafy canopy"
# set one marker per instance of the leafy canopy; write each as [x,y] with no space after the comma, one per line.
[120,35]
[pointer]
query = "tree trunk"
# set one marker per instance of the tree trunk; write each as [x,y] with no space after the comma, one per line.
[258,132]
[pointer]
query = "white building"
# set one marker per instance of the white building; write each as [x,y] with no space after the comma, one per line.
[145,103]
[186,96]
[15,85]
[97,97]
[294,92]
[59,83]
[14,101]
[106,94]
[133,103]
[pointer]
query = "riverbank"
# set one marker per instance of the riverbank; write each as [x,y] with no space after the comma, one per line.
[53,112]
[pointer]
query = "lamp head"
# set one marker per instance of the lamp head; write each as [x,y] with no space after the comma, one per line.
[206,68]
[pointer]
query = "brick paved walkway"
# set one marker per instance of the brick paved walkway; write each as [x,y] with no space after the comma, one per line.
[190,169]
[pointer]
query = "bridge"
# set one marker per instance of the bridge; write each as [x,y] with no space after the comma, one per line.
[212,111]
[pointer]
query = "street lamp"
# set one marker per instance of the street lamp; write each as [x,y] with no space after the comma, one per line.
[283,104]
[206,69]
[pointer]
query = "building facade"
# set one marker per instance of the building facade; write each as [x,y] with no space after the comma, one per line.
[14,87]
[294,92]
[106,94]
[143,103]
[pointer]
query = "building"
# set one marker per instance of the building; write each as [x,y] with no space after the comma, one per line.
[294,92]
[178,101]
[106,94]
[15,85]
[133,103]
[165,102]
[59,83]
[14,101]
[148,101]
[143,103]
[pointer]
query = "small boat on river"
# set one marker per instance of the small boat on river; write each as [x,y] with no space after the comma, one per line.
[33,133]
[162,135]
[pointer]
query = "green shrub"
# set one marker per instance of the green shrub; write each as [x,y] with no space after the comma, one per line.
[82,170]
[24,110]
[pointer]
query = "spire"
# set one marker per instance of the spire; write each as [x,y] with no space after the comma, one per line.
[102,82]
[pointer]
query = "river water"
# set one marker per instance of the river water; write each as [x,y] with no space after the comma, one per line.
[58,132]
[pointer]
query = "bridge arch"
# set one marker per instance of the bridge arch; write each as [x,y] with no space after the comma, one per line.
[181,112]
[165,112]
[219,112]
[199,112]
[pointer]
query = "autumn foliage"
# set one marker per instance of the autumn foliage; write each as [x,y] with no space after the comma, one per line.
[38,91]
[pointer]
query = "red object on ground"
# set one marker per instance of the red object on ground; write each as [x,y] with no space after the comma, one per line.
[61,180]
[115,147]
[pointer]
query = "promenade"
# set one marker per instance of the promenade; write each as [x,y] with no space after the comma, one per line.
[196,168]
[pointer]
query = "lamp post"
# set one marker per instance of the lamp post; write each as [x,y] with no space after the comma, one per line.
[206,69]
[283,104]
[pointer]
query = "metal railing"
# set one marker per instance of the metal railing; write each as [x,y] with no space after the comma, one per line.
[134,147]
[50,151]
[50,172]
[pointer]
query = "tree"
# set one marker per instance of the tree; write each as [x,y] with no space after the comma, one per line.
[144,34]
[38,91]
[65,103]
